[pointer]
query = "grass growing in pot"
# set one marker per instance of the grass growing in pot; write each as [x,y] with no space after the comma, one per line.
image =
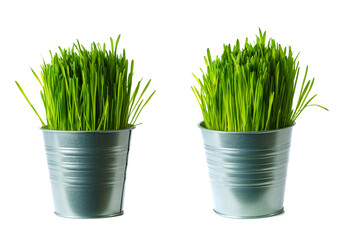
[252,89]
[89,89]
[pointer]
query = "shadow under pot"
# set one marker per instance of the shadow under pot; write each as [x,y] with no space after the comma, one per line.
[87,171]
[247,171]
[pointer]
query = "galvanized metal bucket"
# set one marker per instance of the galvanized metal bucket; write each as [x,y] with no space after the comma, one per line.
[247,171]
[87,171]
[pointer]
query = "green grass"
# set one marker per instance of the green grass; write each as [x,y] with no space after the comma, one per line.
[252,89]
[86,90]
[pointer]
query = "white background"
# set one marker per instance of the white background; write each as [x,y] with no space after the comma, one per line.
[168,193]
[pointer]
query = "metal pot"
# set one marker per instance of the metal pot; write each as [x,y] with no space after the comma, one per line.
[87,171]
[247,171]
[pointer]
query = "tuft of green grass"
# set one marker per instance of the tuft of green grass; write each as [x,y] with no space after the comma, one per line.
[85,90]
[252,89]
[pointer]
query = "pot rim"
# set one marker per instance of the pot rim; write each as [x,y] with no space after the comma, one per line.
[88,131]
[203,128]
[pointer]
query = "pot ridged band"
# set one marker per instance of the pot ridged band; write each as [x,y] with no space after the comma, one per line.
[247,171]
[87,171]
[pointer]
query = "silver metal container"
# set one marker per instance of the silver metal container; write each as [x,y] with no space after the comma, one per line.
[247,171]
[87,171]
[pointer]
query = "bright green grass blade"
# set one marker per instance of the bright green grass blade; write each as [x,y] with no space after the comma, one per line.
[20,88]
[136,118]
[316,105]
[38,79]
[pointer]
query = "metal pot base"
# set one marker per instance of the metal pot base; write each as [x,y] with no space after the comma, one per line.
[281,211]
[89,217]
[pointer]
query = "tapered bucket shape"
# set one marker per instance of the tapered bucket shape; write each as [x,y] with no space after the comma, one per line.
[87,171]
[247,171]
